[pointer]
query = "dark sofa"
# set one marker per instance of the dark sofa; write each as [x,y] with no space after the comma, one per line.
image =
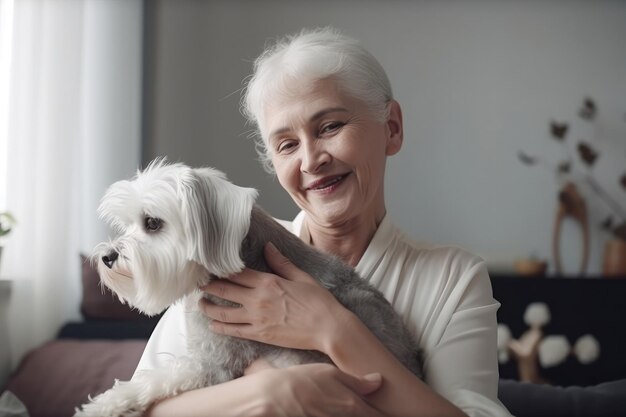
[87,357]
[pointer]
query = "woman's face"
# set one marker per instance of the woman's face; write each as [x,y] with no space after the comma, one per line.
[329,153]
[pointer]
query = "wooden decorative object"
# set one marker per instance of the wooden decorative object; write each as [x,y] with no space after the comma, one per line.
[614,263]
[530,267]
[571,204]
[525,350]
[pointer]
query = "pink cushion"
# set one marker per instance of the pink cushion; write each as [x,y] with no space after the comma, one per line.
[60,375]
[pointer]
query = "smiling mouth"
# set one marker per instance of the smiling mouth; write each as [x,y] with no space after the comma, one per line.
[327,183]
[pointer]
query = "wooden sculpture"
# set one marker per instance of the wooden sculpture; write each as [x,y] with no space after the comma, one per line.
[571,204]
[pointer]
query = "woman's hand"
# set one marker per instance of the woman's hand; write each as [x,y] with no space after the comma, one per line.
[290,309]
[315,390]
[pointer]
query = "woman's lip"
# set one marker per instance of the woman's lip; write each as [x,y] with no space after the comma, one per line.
[326,182]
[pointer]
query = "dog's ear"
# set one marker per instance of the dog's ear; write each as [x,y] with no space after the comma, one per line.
[217,218]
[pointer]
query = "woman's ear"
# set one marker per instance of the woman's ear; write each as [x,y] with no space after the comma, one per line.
[395,132]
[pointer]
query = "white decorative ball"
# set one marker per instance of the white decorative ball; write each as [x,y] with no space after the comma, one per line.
[537,315]
[504,336]
[553,350]
[587,349]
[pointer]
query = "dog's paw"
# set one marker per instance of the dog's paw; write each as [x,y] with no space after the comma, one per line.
[113,403]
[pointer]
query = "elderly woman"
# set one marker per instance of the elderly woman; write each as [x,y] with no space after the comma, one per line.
[327,122]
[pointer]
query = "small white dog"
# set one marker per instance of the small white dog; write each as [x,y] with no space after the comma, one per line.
[181,227]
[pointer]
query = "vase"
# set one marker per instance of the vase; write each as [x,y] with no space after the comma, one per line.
[571,204]
[614,263]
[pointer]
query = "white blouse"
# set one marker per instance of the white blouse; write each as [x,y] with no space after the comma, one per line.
[444,295]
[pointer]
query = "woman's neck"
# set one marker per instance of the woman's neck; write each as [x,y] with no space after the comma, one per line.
[348,241]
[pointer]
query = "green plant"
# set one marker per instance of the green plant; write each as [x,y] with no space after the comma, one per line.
[615,222]
[7,221]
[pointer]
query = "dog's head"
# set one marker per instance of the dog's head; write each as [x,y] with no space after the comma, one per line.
[177,226]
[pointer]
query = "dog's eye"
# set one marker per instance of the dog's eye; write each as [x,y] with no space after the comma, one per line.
[152,224]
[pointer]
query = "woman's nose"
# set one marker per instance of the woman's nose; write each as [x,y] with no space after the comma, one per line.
[314,157]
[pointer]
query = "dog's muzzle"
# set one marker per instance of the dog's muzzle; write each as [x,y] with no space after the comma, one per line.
[110,259]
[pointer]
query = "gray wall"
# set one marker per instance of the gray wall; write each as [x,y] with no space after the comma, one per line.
[478,81]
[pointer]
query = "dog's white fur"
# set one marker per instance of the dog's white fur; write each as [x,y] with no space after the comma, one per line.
[181,227]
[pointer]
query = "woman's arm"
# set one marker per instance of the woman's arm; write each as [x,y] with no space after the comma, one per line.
[306,390]
[357,350]
[297,312]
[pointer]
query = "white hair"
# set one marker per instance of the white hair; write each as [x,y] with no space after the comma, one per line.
[297,61]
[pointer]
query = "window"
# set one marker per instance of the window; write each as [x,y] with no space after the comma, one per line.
[6,43]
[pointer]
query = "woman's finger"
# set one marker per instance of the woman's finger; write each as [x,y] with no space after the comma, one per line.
[364,385]
[225,314]
[325,390]
[258,365]
[282,266]
[248,278]
[226,290]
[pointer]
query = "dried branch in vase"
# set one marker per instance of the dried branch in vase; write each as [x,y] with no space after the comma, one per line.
[615,223]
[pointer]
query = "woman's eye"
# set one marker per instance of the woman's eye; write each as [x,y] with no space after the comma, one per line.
[152,224]
[285,146]
[331,127]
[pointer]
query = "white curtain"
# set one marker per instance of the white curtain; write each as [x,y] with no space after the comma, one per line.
[72,126]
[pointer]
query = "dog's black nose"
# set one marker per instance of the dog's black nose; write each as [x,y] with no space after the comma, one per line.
[110,259]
